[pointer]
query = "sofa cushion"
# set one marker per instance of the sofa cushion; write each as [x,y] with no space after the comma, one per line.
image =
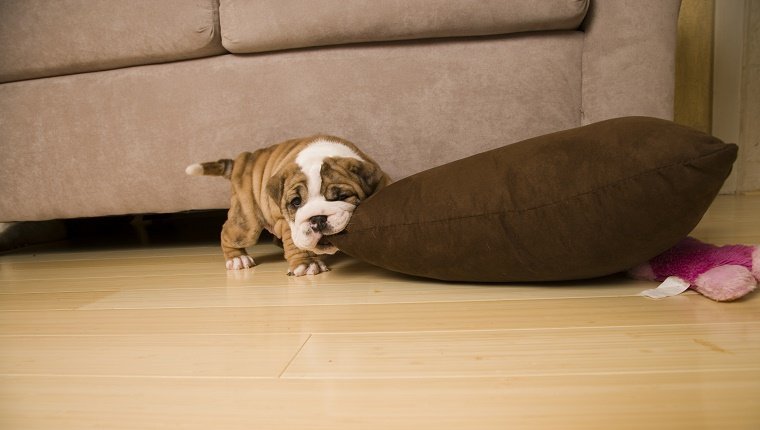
[267,25]
[580,203]
[41,38]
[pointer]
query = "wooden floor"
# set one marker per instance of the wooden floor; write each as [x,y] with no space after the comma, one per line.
[166,338]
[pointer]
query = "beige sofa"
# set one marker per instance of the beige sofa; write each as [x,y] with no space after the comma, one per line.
[104,102]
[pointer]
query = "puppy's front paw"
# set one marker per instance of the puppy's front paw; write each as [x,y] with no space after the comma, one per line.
[311,268]
[240,262]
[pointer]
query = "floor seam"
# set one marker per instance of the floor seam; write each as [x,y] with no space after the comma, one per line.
[293,358]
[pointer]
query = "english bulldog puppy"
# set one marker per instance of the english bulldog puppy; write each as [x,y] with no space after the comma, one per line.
[301,191]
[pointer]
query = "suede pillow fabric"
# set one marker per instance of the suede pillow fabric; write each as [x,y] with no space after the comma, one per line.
[580,203]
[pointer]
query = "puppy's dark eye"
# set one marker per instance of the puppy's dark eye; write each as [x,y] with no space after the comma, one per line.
[344,196]
[296,202]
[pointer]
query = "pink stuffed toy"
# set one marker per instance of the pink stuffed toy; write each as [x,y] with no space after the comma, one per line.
[722,273]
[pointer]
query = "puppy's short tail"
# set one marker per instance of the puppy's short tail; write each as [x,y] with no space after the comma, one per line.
[212,168]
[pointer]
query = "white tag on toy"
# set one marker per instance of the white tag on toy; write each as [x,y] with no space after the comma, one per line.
[672,286]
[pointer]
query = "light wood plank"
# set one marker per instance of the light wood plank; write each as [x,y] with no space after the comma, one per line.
[573,351]
[731,219]
[270,264]
[62,253]
[49,301]
[162,264]
[271,271]
[150,355]
[351,282]
[487,315]
[118,283]
[276,290]
[78,269]
[352,293]
[734,208]
[689,401]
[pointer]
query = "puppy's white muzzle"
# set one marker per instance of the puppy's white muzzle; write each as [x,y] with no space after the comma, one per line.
[306,234]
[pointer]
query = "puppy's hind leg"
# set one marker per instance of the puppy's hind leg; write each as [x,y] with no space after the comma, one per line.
[241,230]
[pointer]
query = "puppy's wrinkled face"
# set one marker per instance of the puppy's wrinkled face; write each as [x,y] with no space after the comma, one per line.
[317,194]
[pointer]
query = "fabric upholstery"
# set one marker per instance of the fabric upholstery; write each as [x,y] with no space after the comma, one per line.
[268,25]
[118,141]
[115,141]
[41,38]
[629,59]
[580,203]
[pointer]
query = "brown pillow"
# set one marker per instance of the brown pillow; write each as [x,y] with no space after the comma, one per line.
[580,203]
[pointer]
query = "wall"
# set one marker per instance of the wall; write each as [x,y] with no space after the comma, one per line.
[718,79]
[748,175]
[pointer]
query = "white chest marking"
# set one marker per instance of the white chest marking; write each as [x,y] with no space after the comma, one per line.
[310,161]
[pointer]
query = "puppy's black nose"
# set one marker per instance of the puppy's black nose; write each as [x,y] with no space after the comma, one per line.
[318,223]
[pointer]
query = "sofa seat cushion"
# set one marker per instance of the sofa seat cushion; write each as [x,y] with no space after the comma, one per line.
[41,38]
[268,25]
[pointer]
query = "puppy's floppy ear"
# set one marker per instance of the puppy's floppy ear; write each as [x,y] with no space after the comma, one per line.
[275,186]
[370,176]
